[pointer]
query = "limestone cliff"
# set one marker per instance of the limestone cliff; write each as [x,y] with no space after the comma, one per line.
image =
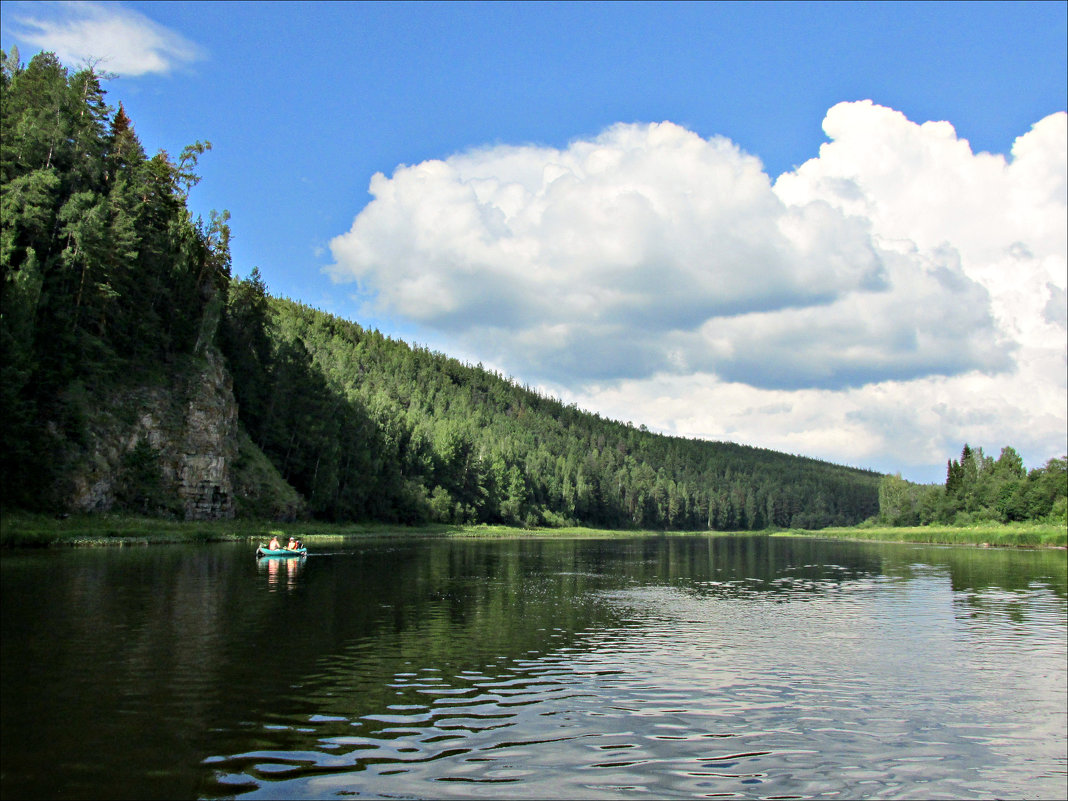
[170,449]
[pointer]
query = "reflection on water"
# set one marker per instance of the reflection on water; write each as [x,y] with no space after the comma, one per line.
[282,572]
[673,667]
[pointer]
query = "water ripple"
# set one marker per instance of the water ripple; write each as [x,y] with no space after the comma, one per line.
[685,698]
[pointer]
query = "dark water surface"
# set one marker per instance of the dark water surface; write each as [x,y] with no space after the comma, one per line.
[740,667]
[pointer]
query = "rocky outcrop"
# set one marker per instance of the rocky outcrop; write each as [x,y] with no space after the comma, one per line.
[172,447]
[209,445]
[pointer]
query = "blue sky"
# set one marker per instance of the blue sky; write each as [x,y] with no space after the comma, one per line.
[775,309]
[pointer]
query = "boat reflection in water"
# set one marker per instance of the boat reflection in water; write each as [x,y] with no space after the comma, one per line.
[281,572]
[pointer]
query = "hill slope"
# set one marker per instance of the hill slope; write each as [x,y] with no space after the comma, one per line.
[138,375]
[368,427]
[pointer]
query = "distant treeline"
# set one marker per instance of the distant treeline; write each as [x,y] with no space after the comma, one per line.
[979,488]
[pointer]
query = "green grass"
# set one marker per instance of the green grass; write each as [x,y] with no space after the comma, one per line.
[19,529]
[571,532]
[1017,535]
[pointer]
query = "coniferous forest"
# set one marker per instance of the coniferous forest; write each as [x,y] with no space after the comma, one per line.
[106,278]
[114,293]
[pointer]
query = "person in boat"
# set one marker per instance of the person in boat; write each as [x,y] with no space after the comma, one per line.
[293,544]
[275,544]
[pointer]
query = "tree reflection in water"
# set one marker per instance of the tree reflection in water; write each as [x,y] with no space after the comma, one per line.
[428,667]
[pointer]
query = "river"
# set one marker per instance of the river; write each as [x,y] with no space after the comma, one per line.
[664,667]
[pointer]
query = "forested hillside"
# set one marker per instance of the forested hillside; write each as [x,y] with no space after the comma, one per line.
[368,427]
[126,342]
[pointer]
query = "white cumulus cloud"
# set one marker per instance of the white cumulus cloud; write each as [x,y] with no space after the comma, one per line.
[896,281]
[124,41]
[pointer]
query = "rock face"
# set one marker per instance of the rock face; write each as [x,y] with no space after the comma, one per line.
[209,445]
[190,433]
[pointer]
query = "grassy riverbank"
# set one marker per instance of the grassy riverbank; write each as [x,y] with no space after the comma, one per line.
[1010,535]
[26,530]
[19,529]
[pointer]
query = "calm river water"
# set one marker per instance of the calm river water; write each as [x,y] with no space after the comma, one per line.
[681,667]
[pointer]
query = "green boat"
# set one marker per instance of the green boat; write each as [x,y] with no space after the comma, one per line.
[261,551]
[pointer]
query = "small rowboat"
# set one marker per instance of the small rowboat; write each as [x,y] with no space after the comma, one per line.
[281,552]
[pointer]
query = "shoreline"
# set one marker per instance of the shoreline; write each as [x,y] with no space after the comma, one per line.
[22,530]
